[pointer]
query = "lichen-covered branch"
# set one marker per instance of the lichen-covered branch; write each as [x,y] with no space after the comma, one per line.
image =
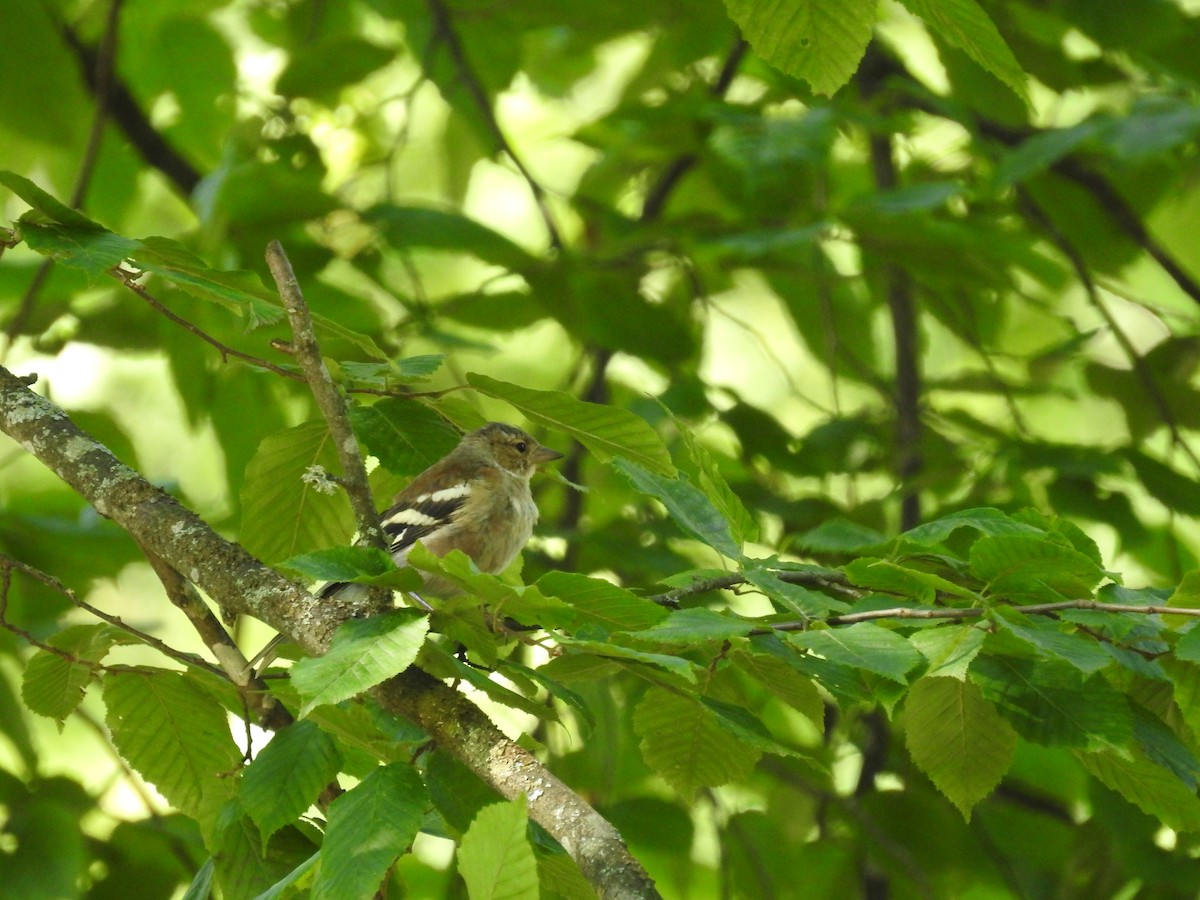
[241,584]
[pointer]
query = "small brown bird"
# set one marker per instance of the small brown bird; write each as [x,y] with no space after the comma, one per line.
[475,499]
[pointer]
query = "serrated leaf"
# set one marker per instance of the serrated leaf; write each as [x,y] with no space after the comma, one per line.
[983,519]
[282,515]
[863,645]
[248,870]
[821,41]
[696,626]
[949,649]
[495,858]
[287,776]
[175,735]
[1026,568]
[44,203]
[601,603]
[1050,703]
[964,24]
[81,247]
[239,290]
[717,489]
[605,430]
[687,505]
[440,664]
[405,436]
[525,603]
[783,682]
[683,742]
[672,664]
[363,653]
[363,565]
[958,739]
[894,578]
[370,826]
[1151,788]
[1052,642]
[392,372]
[53,685]
[795,598]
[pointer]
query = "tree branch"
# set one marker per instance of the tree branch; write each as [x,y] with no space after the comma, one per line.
[241,584]
[329,399]
[443,30]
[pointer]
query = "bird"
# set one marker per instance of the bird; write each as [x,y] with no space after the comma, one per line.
[475,499]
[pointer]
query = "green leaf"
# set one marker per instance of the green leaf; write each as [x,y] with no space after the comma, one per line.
[838,535]
[985,519]
[525,603]
[964,24]
[684,743]
[495,858]
[329,64]
[53,685]
[605,430]
[783,682]
[47,205]
[696,626]
[412,226]
[1147,786]
[249,871]
[370,826]
[1170,488]
[405,436]
[795,598]
[1050,703]
[282,515]
[687,505]
[821,41]
[673,664]
[1025,568]
[241,291]
[957,738]
[175,735]
[363,653]
[601,603]
[81,247]
[364,565]
[883,575]
[1036,154]
[441,664]
[393,372]
[863,645]
[1052,642]
[949,649]
[710,480]
[287,776]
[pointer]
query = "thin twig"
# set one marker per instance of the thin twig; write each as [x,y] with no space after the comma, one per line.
[444,31]
[127,278]
[7,563]
[1033,609]
[331,403]
[1039,215]
[831,581]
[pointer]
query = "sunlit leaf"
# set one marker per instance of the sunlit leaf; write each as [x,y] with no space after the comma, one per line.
[607,431]
[363,653]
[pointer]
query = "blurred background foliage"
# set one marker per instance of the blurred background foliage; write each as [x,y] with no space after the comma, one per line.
[919,295]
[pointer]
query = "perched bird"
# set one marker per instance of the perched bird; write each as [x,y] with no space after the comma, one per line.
[475,499]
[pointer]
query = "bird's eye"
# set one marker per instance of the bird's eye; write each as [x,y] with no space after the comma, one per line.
[521,446]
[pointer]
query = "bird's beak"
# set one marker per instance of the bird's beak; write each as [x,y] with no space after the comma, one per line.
[545,455]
